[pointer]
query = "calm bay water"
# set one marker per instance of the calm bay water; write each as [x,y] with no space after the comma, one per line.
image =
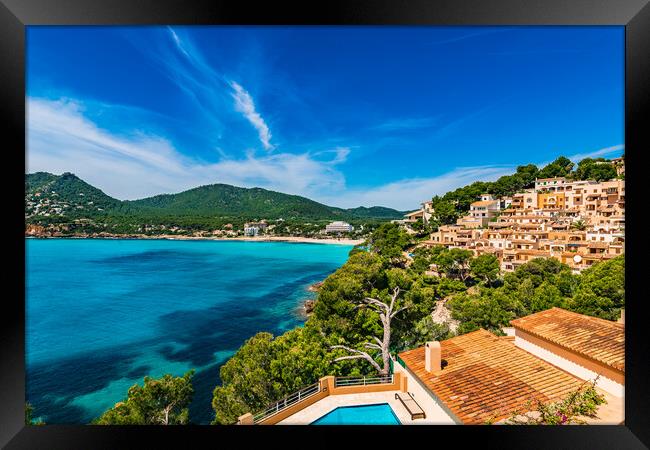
[102,314]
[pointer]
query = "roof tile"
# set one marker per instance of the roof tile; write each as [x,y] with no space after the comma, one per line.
[597,339]
[487,377]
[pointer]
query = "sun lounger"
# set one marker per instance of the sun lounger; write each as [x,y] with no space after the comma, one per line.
[411,405]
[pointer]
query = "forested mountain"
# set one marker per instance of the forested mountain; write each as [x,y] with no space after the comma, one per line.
[64,195]
[67,195]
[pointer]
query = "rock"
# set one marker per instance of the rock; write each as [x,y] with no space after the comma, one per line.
[315,287]
[441,315]
[309,306]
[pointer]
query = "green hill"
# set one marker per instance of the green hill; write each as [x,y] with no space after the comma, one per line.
[226,200]
[67,195]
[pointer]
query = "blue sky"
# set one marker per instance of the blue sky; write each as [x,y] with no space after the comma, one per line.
[348,116]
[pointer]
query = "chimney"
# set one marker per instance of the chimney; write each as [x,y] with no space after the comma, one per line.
[622,319]
[432,356]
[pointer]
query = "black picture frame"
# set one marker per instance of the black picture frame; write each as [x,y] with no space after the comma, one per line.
[16,14]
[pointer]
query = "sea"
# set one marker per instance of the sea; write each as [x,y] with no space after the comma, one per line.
[101,314]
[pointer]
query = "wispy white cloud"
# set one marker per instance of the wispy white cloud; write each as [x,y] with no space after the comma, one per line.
[340,155]
[245,105]
[61,138]
[178,42]
[607,151]
[207,87]
[407,194]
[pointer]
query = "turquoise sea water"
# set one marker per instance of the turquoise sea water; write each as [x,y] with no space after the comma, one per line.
[102,314]
[380,414]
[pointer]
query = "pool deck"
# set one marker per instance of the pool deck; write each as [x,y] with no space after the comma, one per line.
[330,403]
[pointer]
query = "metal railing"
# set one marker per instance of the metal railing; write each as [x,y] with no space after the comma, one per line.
[315,388]
[286,402]
[363,381]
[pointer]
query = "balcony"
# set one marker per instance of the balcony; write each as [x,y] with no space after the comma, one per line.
[325,387]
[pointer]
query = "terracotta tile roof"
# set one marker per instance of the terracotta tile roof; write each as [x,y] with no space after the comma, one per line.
[597,339]
[487,377]
[499,224]
[484,203]
[597,245]
[503,232]
[530,216]
[414,213]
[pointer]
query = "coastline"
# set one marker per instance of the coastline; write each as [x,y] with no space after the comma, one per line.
[293,239]
[343,241]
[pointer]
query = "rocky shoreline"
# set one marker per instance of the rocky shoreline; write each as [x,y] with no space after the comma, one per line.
[315,287]
[309,304]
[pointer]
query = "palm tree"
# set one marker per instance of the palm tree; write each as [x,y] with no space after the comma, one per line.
[579,225]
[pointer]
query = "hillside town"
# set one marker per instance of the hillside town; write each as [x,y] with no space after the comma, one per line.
[577,222]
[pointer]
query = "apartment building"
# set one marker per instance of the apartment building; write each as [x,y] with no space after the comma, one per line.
[481,212]
[550,184]
[424,213]
[577,222]
[338,227]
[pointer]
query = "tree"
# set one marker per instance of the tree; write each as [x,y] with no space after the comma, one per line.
[29,416]
[561,167]
[386,313]
[444,211]
[485,266]
[389,241]
[162,401]
[418,225]
[579,225]
[540,284]
[601,290]
[527,175]
[491,309]
[454,262]
[266,369]
[423,331]
[598,169]
[358,249]
[334,313]
[29,411]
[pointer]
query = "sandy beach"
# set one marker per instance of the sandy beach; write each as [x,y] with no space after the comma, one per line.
[342,241]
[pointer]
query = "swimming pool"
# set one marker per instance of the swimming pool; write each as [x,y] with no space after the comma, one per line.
[379,414]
